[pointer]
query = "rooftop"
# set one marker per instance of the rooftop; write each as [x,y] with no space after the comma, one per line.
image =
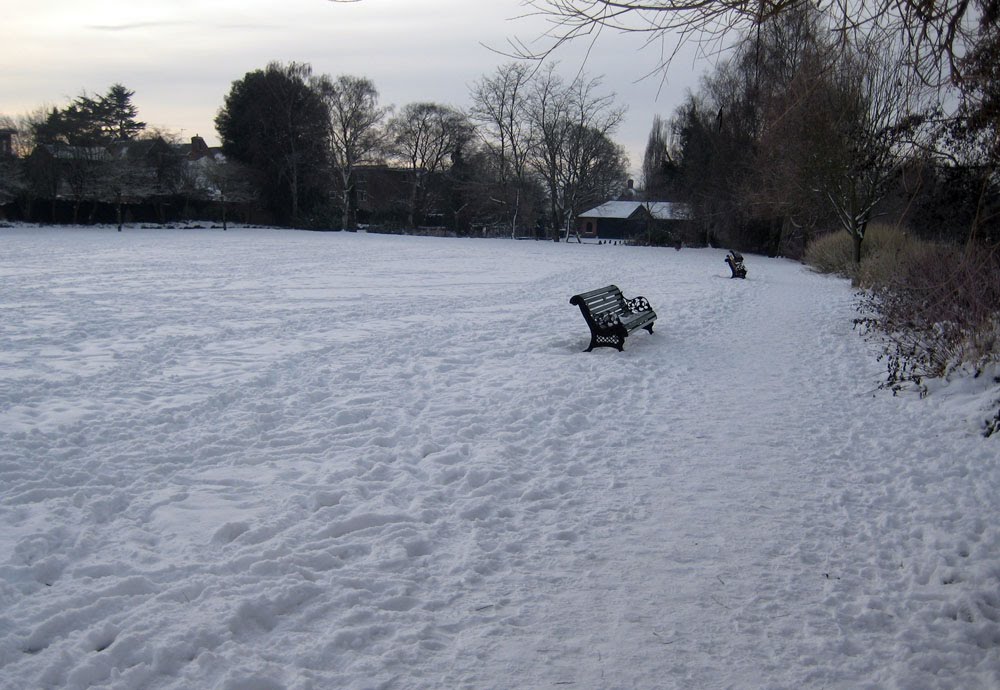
[661,210]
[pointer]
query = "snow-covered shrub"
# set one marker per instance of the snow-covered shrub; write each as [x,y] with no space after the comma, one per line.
[937,308]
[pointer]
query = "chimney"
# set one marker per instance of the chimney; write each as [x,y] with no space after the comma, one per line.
[629,192]
[199,149]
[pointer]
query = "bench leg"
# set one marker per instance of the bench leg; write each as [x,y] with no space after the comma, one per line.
[606,341]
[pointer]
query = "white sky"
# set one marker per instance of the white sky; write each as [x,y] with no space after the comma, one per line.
[181,56]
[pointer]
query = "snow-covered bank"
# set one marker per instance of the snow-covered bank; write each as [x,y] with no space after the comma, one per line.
[271,459]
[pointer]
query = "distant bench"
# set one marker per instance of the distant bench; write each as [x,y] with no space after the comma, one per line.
[611,317]
[735,261]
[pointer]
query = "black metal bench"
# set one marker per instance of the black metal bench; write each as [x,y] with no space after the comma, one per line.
[611,317]
[735,261]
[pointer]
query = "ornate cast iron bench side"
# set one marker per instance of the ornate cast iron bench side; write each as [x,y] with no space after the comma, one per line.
[611,317]
[735,261]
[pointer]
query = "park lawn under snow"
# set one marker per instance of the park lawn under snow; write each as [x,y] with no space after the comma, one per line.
[269,460]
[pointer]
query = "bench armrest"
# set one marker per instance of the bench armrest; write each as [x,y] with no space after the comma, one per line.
[637,304]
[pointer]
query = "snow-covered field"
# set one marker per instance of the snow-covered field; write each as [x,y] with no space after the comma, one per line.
[268,460]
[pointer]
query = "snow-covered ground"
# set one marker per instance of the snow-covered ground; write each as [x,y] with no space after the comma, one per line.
[268,460]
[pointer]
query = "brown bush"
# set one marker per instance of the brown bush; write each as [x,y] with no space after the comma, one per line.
[831,253]
[938,307]
[885,250]
[834,253]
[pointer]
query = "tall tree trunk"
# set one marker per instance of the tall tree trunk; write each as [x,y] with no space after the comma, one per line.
[412,213]
[517,208]
[857,237]
[345,214]
[293,184]
[557,221]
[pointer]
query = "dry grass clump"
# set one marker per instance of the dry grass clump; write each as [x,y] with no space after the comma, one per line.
[831,253]
[893,260]
[834,252]
[884,253]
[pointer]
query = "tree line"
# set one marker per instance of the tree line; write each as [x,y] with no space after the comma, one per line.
[531,151]
[822,116]
[93,160]
[310,150]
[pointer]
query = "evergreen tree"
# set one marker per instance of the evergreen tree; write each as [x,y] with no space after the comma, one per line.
[92,120]
[117,114]
[276,122]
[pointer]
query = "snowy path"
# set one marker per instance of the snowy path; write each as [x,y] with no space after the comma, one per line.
[269,460]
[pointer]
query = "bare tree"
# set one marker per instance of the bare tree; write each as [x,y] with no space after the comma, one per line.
[425,136]
[227,183]
[790,62]
[879,123]
[500,108]
[23,141]
[355,131]
[570,122]
[799,130]
[936,34]
[978,130]
[602,169]
[12,181]
[122,180]
[81,168]
[658,166]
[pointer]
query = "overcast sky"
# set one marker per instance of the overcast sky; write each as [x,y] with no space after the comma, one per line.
[181,56]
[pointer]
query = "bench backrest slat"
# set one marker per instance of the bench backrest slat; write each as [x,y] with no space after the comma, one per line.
[601,303]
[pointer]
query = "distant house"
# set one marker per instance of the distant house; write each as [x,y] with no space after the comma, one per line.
[198,149]
[7,142]
[139,150]
[632,220]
